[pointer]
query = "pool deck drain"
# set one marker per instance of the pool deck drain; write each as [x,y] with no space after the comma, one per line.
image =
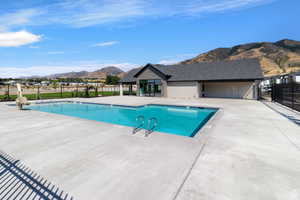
[245,155]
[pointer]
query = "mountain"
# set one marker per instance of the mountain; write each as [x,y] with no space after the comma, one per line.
[99,74]
[111,70]
[276,58]
[69,75]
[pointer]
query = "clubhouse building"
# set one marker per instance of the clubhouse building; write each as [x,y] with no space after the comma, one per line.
[223,79]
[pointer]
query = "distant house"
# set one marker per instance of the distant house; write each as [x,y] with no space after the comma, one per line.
[11,82]
[45,83]
[224,79]
[281,79]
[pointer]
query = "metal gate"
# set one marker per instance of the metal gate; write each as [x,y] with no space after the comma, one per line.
[287,93]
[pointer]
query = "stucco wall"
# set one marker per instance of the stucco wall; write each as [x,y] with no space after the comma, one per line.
[243,90]
[183,89]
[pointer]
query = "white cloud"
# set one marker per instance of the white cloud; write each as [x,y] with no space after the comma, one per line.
[195,7]
[18,18]
[55,52]
[16,39]
[104,44]
[14,72]
[170,60]
[85,13]
[34,47]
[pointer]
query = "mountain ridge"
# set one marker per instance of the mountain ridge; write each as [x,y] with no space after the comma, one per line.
[99,74]
[276,58]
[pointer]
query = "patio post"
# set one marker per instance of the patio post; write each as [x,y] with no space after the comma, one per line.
[121,89]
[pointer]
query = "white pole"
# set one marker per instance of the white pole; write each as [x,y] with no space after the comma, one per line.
[121,90]
[19,90]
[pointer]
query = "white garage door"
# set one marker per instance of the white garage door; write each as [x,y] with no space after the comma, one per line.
[241,90]
[183,90]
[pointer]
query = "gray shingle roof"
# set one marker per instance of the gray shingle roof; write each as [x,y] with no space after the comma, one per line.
[129,77]
[247,69]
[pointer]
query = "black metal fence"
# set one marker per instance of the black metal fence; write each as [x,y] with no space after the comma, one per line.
[9,92]
[287,93]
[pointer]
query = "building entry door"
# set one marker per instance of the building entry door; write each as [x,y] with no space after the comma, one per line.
[150,88]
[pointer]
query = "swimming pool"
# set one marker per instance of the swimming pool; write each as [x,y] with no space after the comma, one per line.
[179,120]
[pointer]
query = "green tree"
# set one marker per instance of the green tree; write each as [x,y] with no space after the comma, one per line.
[55,84]
[112,80]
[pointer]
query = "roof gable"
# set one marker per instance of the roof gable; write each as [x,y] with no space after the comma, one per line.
[154,70]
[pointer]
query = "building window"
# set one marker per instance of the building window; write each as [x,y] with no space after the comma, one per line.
[150,87]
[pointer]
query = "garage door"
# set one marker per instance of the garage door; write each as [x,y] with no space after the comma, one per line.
[183,90]
[241,90]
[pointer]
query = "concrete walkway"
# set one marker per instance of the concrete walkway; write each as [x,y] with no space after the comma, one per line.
[248,151]
[287,112]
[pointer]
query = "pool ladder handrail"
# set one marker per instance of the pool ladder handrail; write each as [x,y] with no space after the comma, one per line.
[149,130]
[139,127]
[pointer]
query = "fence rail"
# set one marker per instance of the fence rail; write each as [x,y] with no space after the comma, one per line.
[9,92]
[287,94]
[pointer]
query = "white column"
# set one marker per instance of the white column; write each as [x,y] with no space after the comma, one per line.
[121,90]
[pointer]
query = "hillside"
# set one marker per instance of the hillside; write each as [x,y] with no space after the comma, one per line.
[99,74]
[276,58]
[110,70]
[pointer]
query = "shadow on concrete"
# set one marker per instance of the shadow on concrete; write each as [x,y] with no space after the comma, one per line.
[292,118]
[19,182]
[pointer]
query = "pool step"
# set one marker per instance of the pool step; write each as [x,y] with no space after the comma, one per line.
[141,122]
[150,128]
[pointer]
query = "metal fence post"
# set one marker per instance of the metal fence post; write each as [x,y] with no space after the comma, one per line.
[8,96]
[61,91]
[77,86]
[293,93]
[130,89]
[273,91]
[87,91]
[38,92]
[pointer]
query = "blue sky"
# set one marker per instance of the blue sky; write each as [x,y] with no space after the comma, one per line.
[40,37]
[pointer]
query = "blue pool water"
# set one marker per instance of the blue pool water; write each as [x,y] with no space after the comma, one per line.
[185,121]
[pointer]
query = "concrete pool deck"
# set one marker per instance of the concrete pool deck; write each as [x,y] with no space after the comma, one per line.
[247,151]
